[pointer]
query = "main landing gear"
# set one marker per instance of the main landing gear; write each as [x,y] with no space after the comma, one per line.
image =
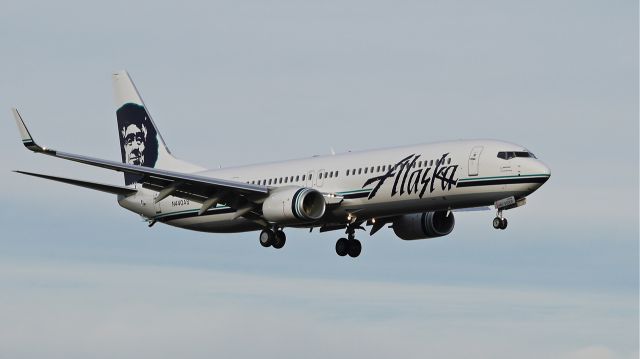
[500,222]
[273,238]
[349,245]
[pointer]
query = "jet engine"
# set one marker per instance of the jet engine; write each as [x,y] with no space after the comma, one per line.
[293,204]
[424,225]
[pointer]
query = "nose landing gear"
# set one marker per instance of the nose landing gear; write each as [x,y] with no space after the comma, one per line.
[502,205]
[499,222]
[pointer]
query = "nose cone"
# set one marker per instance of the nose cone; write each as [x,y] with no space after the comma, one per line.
[543,169]
[540,170]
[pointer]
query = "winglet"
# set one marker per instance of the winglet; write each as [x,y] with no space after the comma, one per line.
[27,140]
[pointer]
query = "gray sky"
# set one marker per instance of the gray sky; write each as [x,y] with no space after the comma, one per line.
[244,82]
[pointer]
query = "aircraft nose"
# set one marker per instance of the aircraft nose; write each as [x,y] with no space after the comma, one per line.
[544,169]
[541,168]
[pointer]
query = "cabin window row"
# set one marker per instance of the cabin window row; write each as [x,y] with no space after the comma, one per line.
[383,168]
[350,172]
[293,179]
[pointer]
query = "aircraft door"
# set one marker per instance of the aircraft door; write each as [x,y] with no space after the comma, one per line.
[320,180]
[310,179]
[474,160]
[157,206]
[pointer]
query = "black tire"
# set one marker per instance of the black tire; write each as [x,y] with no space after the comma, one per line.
[504,223]
[497,223]
[355,248]
[279,239]
[266,238]
[342,247]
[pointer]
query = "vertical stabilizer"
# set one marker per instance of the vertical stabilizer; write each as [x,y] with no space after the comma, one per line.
[140,141]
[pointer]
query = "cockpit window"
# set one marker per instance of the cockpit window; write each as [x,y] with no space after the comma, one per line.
[509,155]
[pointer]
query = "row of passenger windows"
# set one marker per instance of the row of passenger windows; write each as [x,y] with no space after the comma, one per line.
[510,155]
[383,168]
[335,174]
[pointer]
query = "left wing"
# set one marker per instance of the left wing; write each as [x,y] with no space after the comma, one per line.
[206,190]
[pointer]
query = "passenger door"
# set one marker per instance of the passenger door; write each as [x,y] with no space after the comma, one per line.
[474,160]
[157,206]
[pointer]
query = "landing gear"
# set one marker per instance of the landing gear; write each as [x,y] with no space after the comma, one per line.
[276,238]
[342,247]
[499,222]
[279,239]
[350,245]
[267,238]
[355,248]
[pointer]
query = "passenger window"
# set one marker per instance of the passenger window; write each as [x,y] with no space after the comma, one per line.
[359,170]
[297,178]
[337,174]
[347,172]
[285,179]
[366,169]
[303,176]
[331,174]
[449,160]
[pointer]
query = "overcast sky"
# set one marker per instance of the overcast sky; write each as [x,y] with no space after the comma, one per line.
[240,82]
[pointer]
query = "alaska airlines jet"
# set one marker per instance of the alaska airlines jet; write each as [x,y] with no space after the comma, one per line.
[412,189]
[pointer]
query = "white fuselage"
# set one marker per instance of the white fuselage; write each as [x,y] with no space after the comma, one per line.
[372,184]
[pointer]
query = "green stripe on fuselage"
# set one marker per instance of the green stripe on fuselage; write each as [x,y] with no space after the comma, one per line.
[499,177]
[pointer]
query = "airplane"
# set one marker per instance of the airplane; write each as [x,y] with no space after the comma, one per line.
[412,189]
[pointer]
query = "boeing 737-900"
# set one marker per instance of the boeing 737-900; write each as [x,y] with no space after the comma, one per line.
[413,189]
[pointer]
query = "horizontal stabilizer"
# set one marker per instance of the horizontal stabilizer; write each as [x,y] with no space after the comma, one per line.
[92,185]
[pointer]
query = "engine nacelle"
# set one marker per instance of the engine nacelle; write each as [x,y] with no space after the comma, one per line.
[424,225]
[293,204]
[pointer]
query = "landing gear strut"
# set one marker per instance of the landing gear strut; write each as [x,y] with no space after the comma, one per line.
[273,238]
[349,245]
[500,222]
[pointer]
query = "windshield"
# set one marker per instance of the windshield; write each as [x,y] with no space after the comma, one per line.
[511,154]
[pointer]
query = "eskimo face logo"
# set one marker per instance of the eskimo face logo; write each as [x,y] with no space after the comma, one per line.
[134,143]
[138,138]
[410,181]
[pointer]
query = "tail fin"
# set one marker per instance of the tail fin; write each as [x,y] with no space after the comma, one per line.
[140,141]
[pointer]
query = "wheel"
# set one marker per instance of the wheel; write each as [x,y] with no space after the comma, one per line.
[504,223]
[279,239]
[342,247]
[355,247]
[266,238]
[497,223]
